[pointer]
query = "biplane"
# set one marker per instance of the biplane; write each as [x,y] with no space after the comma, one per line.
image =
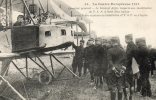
[52,31]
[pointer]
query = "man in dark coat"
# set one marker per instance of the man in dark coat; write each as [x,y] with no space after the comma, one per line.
[115,72]
[144,66]
[78,58]
[152,56]
[131,53]
[99,62]
[89,58]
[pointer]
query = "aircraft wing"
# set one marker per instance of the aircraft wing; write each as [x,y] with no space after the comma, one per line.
[4,56]
[53,8]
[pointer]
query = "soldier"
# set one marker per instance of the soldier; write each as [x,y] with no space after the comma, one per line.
[152,55]
[100,55]
[144,66]
[115,72]
[106,45]
[85,65]
[131,52]
[78,58]
[89,58]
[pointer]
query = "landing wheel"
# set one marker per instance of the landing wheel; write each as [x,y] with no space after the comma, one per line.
[45,77]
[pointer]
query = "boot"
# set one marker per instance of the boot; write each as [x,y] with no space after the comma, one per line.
[113,95]
[79,74]
[119,95]
[125,94]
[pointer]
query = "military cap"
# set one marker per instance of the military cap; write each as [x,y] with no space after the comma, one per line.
[115,39]
[129,36]
[98,39]
[82,41]
[140,41]
[91,39]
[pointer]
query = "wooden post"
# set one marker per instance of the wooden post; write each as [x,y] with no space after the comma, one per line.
[41,6]
[47,6]
[77,35]
[51,62]
[28,11]
[1,3]
[6,9]
[71,16]
[26,65]
[24,14]
[10,17]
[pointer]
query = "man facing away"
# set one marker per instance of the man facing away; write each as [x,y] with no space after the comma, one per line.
[116,69]
[78,58]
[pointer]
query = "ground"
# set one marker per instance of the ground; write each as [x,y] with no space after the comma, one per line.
[61,89]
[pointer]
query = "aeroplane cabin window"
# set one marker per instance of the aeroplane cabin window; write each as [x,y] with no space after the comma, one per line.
[63,32]
[47,33]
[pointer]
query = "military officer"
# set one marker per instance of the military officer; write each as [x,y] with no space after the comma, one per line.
[131,52]
[89,58]
[99,67]
[144,66]
[78,58]
[115,72]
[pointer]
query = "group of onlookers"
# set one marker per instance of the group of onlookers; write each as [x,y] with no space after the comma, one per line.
[108,61]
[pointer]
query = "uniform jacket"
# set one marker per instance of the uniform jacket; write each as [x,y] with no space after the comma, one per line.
[152,56]
[116,58]
[79,52]
[144,61]
[131,51]
[89,54]
[100,56]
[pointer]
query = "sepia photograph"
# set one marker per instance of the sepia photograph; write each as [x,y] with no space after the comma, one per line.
[77,50]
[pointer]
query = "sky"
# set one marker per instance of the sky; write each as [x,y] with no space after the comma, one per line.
[119,26]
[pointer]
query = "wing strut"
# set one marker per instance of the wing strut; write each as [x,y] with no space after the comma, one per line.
[64,66]
[28,11]
[12,87]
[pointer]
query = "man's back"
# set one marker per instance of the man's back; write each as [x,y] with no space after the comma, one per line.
[89,53]
[116,57]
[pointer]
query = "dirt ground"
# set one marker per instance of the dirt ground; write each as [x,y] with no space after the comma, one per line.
[65,88]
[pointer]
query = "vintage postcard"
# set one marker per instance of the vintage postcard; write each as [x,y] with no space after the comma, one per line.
[77,49]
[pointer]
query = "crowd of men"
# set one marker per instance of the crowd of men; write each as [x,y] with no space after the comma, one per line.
[107,60]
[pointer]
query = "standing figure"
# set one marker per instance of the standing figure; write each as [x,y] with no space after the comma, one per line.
[144,66]
[78,58]
[116,70]
[85,67]
[152,56]
[100,53]
[89,58]
[131,53]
